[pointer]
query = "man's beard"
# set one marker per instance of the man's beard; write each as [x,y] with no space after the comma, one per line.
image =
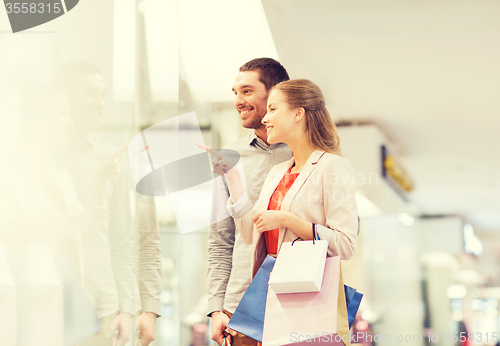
[255,123]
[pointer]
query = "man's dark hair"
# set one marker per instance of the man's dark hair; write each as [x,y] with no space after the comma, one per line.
[71,73]
[271,72]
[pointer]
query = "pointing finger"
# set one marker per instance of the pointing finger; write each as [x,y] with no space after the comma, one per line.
[117,153]
[210,150]
[144,148]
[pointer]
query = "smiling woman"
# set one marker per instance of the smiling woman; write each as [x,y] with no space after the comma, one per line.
[298,117]
[298,200]
[303,96]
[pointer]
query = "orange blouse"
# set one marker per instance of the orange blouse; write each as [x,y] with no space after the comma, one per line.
[279,194]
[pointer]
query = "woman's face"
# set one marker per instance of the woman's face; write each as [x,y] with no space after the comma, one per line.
[279,119]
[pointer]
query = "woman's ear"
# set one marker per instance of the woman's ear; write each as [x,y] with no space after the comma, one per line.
[300,113]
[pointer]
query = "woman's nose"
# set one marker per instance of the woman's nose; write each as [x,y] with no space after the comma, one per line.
[264,120]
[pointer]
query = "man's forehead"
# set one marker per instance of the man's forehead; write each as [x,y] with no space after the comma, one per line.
[247,78]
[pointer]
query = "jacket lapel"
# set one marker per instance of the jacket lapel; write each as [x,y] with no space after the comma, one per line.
[297,185]
[271,185]
[259,253]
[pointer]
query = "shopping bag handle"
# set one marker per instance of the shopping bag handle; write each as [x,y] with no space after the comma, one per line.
[315,235]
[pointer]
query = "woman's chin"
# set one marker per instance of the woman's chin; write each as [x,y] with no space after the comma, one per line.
[275,139]
[271,140]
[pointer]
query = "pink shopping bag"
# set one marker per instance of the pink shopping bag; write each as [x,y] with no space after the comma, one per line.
[298,318]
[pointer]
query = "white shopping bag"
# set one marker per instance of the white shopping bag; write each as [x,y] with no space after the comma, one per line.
[299,267]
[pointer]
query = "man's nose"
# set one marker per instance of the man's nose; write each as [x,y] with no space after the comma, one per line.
[238,101]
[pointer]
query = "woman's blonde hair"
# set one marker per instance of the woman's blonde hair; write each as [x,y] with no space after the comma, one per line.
[320,128]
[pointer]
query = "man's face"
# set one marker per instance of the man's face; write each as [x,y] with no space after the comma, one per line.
[87,101]
[251,99]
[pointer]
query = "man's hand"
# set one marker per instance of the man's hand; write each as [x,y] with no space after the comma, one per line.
[219,326]
[120,324]
[145,328]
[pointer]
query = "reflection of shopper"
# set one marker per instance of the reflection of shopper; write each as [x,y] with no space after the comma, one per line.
[109,252]
[312,191]
[49,222]
[228,255]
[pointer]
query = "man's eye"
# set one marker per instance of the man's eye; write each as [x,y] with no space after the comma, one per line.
[247,91]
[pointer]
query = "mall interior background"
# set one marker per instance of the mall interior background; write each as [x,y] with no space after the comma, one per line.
[420,78]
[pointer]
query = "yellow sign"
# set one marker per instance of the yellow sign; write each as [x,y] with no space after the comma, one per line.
[397,173]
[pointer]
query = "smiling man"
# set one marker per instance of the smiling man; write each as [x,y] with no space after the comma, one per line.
[229,256]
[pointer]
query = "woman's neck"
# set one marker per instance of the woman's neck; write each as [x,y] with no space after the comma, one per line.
[301,150]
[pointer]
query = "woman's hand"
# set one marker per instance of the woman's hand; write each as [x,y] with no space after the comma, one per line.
[224,166]
[270,219]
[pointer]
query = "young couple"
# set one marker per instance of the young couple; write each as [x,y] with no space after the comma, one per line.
[310,188]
